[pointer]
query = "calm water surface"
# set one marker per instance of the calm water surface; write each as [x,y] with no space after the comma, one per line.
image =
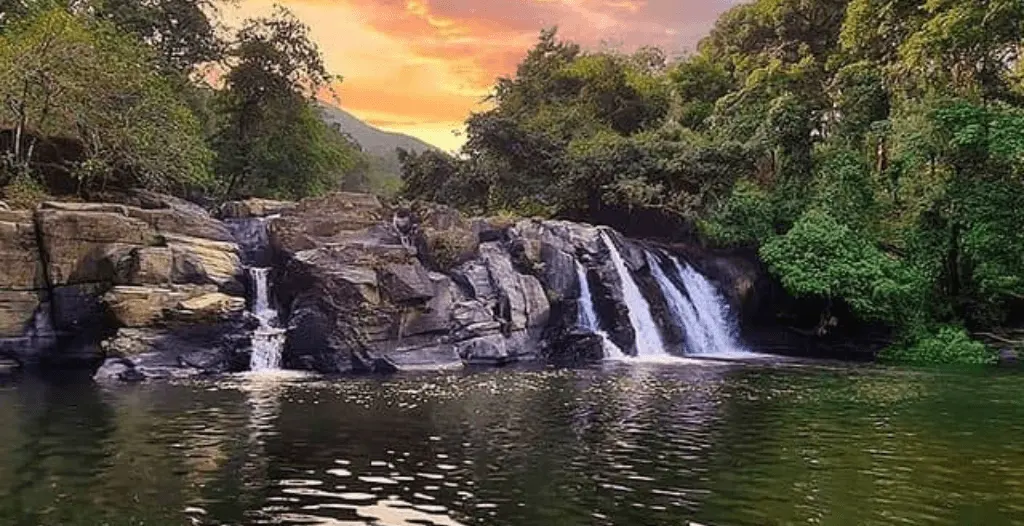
[717,444]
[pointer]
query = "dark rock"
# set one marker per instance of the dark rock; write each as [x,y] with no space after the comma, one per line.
[575,349]
[404,284]
[253,208]
[179,352]
[1009,358]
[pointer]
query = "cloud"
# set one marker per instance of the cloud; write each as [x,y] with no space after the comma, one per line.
[432,61]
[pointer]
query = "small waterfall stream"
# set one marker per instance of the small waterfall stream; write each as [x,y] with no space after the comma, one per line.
[683,311]
[648,337]
[267,339]
[588,319]
[714,330]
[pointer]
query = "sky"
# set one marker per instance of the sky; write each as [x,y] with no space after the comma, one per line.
[421,67]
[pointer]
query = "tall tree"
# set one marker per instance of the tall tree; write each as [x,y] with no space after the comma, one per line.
[271,140]
[181,31]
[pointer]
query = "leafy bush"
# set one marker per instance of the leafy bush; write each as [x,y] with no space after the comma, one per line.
[24,193]
[948,344]
[821,257]
[451,247]
[67,75]
[746,218]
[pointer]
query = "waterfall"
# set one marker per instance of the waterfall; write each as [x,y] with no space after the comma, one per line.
[253,238]
[588,319]
[648,336]
[713,328]
[267,339]
[683,310]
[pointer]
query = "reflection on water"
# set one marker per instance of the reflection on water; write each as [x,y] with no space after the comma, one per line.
[626,444]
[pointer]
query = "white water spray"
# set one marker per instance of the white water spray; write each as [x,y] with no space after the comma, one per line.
[267,339]
[706,315]
[648,336]
[588,319]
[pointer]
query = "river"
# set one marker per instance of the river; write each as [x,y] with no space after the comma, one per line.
[629,444]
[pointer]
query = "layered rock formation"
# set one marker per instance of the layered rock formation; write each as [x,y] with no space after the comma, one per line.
[125,281]
[364,291]
[153,286]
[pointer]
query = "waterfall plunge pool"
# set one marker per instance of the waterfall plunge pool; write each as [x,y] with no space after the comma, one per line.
[718,444]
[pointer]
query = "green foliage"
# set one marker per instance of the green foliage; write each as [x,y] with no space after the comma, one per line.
[822,257]
[180,31]
[294,155]
[947,344]
[70,76]
[271,140]
[24,192]
[746,218]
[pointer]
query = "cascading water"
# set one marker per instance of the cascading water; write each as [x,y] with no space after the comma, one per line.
[713,327]
[267,339]
[683,310]
[648,336]
[588,319]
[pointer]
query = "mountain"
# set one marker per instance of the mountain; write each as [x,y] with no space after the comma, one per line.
[382,173]
[373,140]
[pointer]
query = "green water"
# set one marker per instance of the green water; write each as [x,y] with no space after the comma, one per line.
[629,444]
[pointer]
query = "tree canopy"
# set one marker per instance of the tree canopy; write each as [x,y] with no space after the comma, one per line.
[116,92]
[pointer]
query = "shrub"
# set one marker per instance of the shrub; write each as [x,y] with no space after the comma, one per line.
[822,257]
[24,193]
[949,344]
[449,248]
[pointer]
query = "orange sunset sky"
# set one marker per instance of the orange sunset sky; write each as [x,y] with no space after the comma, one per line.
[421,66]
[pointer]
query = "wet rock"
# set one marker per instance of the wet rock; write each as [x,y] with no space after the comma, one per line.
[141,306]
[182,351]
[575,349]
[202,261]
[17,310]
[209,308]
[409,283]
[145,265]
[331,219]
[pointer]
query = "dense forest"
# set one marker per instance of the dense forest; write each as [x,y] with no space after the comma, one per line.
[871,151]
[158,94]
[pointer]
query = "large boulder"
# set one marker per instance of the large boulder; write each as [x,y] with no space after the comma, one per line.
[22,281]
[317,222]
[366,291]
[25,334]
[134,354]
[73,274]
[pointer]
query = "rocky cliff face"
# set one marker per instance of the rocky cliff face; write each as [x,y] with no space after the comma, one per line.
[152,286]
[126,282]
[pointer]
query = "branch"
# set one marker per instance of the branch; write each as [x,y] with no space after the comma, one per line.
[997,338]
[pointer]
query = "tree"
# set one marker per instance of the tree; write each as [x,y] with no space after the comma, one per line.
[180,31]
[964,48]
[69,76]
[271,139]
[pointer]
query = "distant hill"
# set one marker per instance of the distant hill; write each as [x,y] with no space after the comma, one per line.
[373,140]
[383,173]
